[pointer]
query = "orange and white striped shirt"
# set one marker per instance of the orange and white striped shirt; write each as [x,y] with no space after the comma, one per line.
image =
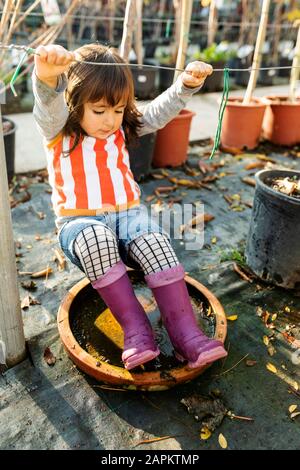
[94,178]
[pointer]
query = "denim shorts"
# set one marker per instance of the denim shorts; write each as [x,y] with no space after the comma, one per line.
[127,225]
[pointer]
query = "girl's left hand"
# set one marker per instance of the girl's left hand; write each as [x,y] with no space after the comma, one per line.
[195,73]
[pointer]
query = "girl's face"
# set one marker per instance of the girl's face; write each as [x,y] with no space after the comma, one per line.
[100,120]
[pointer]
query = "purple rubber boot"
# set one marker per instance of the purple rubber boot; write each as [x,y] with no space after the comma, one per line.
[172,297]
[117,292]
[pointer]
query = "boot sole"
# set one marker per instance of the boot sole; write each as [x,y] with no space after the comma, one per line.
[140,359]
[204,357]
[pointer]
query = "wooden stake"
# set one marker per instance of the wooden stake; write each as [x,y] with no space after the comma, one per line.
[258,51]
[295,72]
[212,22]
[127,29]
[111,22]
[26,13]
[139,32]
[8,6]
[187,7]
[11,325]
[11,22]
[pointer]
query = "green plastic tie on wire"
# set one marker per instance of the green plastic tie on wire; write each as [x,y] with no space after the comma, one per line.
[16,72]
[168,29]
[223,104]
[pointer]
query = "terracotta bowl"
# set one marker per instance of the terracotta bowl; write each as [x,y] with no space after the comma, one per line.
[93,339]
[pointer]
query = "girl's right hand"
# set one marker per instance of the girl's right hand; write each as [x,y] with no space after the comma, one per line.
[52,61]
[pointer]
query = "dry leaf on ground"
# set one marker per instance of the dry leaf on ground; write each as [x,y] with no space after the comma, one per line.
[49,357]
[222,441]
[27,301]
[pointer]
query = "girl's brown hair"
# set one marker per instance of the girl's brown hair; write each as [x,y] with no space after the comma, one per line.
[89,83]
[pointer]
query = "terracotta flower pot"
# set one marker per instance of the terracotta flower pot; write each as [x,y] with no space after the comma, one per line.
[172,141]
[242,124]
[281,121]
[82,318]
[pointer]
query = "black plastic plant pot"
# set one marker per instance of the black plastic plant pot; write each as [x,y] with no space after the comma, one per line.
[215,81]
[145,80]
[9,146]
[141,155]
[284,62]
[166,77]
[266,77]
[242,76]
[273,248]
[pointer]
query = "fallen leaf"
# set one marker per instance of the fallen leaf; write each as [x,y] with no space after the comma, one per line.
[264,158]
[191,171]
[251,362]
[253,165]
[28,300]
[25,302]
[266,340]
[232,317]
[232,150]
[188,183]
[209,179]
[150,198]
[43,273]
[292,408]
[157,176]
[61,260]
[204,167]
[222,441]
[214,240]
[198,219]
[271,350]
[155,439]
[164,189]
[293,415]
[29,285]
[249,181]
[205,433]
[271,368]
[228,199]
[49,357]
[208,217]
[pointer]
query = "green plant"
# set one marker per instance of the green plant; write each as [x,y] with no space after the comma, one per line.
[233,254]
[216,53]
[164,55]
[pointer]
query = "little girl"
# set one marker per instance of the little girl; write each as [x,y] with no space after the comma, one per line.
[87,115]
